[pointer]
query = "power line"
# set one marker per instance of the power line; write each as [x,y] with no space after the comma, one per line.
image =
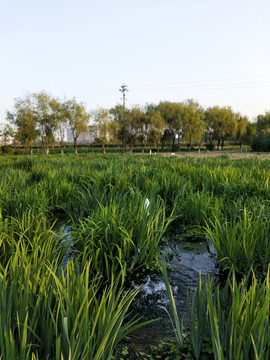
[207,84]
[221,86]
[201,81]
[99,93]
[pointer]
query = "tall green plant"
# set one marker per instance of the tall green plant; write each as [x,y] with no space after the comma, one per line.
[177,325]
[49,314]
[123,234]
[241,242]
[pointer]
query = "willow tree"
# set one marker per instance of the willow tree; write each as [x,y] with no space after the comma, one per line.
[156,125]
[121,116]
[173,116]
[45,118]
[263,123]
[77,118]
[61,122]
[242,127]
[23,117]
[138,127]
[7,132]
[102,119]
[193,120]
[222,122]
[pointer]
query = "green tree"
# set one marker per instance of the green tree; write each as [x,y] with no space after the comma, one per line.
[102,119]
[138,127]
[7,132]
[194,124]
[263,123]
[61,122]
[23,117]
[173,115]
[45,118]
[121,116]
[113,128]
[221,122]
[242,126]
[156,126]
[77,118]
[250,134]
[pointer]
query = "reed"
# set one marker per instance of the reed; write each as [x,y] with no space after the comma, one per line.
[241,241]
[123,234]
[48,313]
[176,324]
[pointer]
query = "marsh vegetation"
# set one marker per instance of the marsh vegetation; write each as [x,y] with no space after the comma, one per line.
[116,216]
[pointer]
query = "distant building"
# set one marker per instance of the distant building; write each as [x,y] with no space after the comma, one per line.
[4,142]
[86,137]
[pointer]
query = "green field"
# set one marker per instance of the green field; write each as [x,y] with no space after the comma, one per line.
[95,208]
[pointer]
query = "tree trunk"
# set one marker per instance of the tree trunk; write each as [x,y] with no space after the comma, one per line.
[31,150]
[103,147]
[75,146]
[173,141]
[47,148]
[144,146]
[131,146]
[62,146]
[218,143]
[222,144]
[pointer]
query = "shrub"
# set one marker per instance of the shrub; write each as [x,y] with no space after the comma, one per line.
[261,142]
[210,146]
[20,152]
[7,150]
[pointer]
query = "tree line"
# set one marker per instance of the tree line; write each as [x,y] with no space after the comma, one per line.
[39,117]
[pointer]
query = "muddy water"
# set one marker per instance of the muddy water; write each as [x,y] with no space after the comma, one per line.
[186,267]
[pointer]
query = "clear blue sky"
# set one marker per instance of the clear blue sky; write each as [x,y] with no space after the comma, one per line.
[214,51]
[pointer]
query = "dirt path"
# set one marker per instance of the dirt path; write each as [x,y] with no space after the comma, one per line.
[230,154]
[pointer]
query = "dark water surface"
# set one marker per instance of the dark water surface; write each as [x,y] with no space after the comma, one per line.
[186,265]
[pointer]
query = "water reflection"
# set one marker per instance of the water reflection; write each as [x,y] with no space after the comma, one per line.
[186,268]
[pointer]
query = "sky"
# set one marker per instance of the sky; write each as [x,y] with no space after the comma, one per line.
[214,51]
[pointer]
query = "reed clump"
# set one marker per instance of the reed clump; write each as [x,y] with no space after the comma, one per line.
[51,312]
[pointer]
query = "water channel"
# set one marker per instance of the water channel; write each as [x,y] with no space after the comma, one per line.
[186,267]
[186,262]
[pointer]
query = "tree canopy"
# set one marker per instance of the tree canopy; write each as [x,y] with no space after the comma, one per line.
[42,117]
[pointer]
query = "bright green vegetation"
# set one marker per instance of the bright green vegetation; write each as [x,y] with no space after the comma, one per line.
[99,202]
[51,313]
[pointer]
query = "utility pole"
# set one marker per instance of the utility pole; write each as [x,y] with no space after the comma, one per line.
[123,90]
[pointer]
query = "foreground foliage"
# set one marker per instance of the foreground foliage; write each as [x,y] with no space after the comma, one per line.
[110,214]
[235,318]
[51,312]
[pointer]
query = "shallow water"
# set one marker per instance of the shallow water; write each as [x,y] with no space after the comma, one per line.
[186,267]
[187,262]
